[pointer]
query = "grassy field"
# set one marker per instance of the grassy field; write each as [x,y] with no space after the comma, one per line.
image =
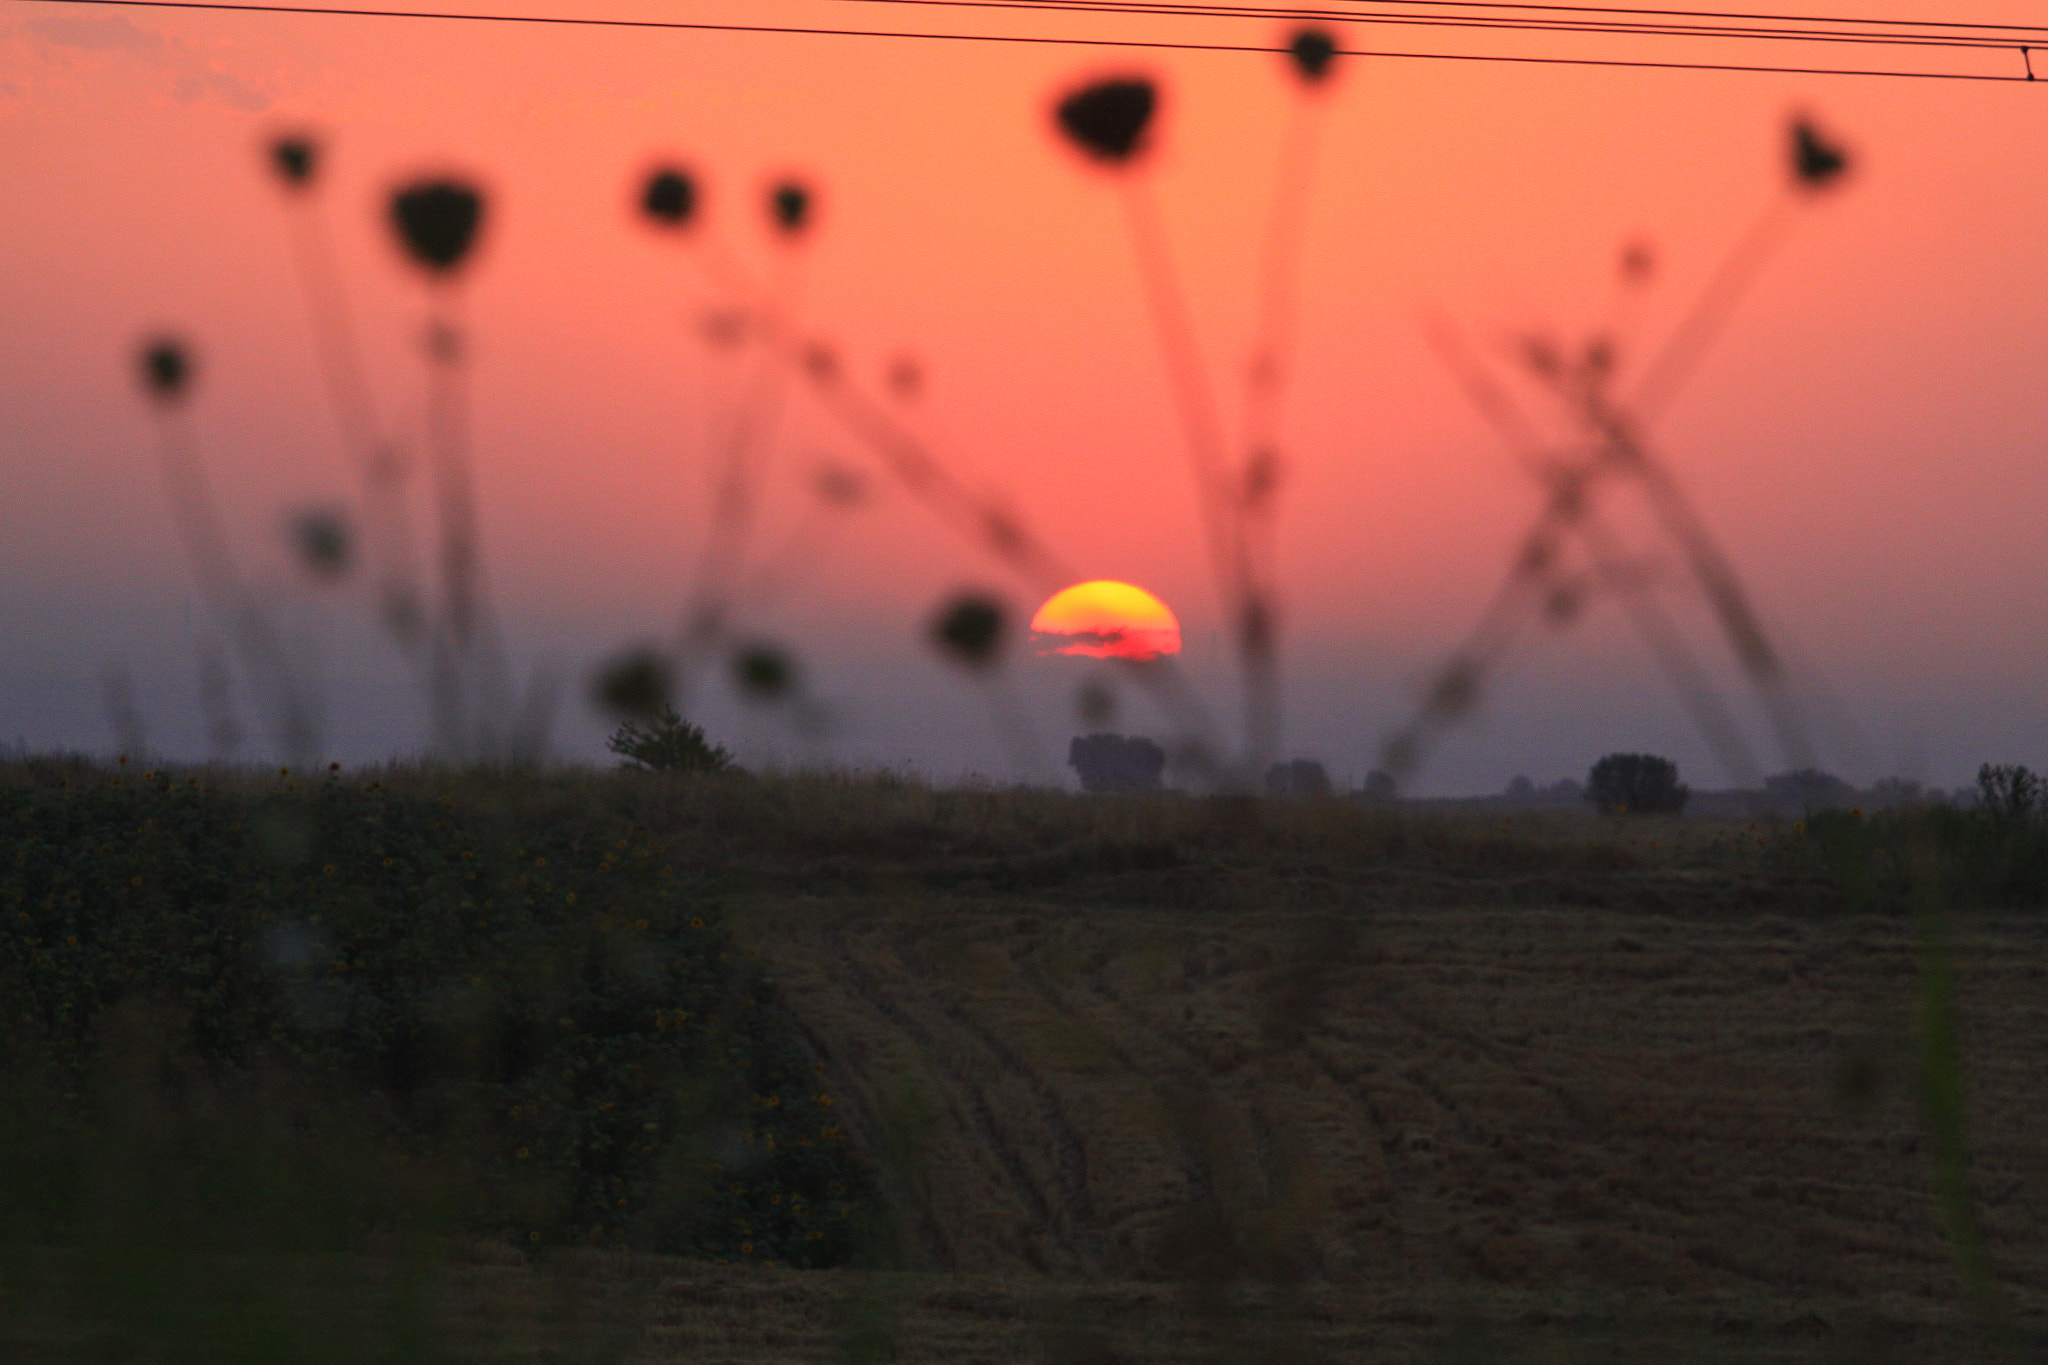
[1182,1079]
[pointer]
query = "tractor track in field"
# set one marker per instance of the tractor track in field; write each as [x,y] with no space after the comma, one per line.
[966,1091]
[1589,1102]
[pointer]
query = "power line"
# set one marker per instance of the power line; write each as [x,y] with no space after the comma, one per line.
[1578,19]
[339,12]
[1690,14]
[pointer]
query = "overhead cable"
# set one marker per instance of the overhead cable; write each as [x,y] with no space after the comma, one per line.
[2019,49]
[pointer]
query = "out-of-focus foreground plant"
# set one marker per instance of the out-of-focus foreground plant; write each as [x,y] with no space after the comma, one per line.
[329,1015]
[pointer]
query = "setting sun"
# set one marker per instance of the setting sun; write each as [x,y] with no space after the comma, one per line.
[1105,619]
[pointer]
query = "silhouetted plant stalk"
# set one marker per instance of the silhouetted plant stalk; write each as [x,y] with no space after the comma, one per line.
[1257,1204]
[380,466]
[746,443]
[729,587]
[454,646]
[476,717]
[973,629]
[1608,447]
[1313,53]
[463,624]
[167,378]
[732,582]
[986,520]
[1938,1037]
[990,524]
[216,703]
[1543,587]
[1109,121]
[124,718]
[836,491]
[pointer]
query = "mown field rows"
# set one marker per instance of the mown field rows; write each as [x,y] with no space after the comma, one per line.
[1131,1080]
[1452,1135]
[1687,1114]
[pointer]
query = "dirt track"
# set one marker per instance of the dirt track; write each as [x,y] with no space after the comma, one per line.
[1541,1107]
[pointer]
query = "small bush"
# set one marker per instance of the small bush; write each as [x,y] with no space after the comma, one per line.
[1636,784]
[668,744]
[1982,857]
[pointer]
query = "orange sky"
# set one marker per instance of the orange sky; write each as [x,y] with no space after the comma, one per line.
[1866,437]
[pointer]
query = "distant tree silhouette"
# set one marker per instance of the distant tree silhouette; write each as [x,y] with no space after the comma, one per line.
[1809,789]
[1303,777]
[1897,791]
[1379,789]
[1636,784]
[2009,791]
[1116,763]
[1521,790]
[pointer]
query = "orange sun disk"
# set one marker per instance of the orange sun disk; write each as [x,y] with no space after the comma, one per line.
[1105,619]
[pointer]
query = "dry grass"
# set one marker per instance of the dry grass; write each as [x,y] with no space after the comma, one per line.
[1533,1100]
[645,1310]
[1166,1079]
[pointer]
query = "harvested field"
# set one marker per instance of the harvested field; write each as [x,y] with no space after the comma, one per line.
[1524,1111]
[1206,1081]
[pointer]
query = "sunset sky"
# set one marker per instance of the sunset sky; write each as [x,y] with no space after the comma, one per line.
[1865,437]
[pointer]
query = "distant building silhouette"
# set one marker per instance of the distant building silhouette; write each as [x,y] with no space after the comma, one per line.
[1116,763]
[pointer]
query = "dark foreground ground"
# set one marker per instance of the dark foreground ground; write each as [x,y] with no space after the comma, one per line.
[1187,1081]
[1551,1124]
